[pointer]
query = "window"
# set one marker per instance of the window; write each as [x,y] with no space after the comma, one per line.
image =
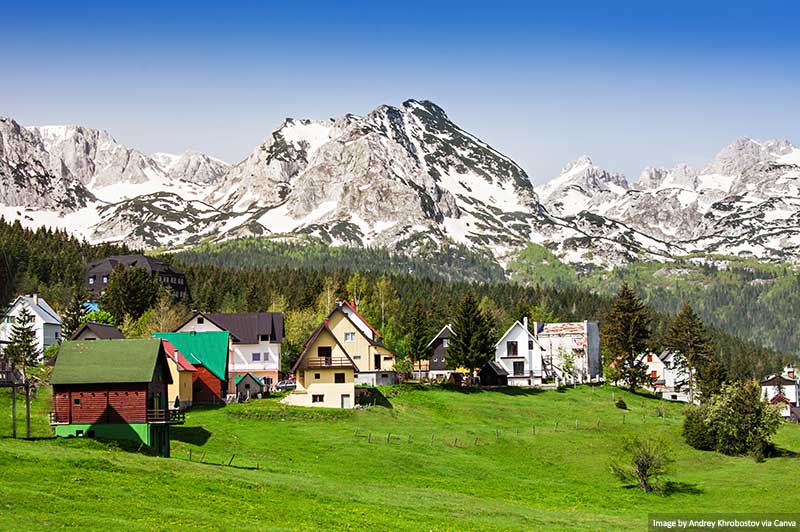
[91,280]
[317,398]
[519,368]
[435,359]
[349,337]
[357,357]
[511,349]
[377,361]
[76,401]
[316,375]
[384,375]
[653,374]
[247,386]
[256,357]
[201,321]
[265,338]
[445,342]
[324,351]
[530,344]
[338,378]
[649,358]
[105,279]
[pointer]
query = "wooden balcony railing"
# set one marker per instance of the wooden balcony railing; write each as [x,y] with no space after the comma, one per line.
[329,362]
[165,415]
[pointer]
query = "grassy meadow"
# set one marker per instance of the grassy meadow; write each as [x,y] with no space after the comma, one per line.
[428,459]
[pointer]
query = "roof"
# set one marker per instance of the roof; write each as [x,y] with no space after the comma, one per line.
[208,349]
[107,361]
[777,380]
[780,398]
[496,368]
[352,307]
[576,327]
[321,327]
[241,377]
[445,332]
[103,331]
[137,261]
[246,327]
[374,341]
[515,324]
[44,311]
[177,357]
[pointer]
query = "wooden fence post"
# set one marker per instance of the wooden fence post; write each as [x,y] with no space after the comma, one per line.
[13,411]
[496,434]
[231,460]
[27,410]
[555,427]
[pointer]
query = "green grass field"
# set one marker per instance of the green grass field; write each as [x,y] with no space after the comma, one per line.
[443,467]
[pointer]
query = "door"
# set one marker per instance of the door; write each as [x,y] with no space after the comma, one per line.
[345,400]
[377,362]
[325,352]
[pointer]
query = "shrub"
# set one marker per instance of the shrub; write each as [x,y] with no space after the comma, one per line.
[643,461]
[695,431]
[621,404]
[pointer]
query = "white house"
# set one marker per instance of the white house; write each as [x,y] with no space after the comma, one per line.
[46,321]
[570,351]
[783,389]
[256,339]
[520,356]
[670,379]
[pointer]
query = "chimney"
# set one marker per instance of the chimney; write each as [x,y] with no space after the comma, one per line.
[525,322]
[35,300]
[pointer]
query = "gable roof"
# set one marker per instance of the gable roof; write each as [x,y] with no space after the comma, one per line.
[777,380]
[107,361]
[208,349]
[780,398]
[40,308]
[177,357]
[246,327]
[149,264]
[508,331]
[494,367]
[248,374]
[574,327]
[374,341]
[352,307]
[314,335]
[103,331]
[445,332]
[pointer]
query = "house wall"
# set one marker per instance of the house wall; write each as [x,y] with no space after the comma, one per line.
[555,346]
[46,333]
[101,403]
[531,358]
[207,389]
[361,350]
[308,386]
[791,393]
[181,386]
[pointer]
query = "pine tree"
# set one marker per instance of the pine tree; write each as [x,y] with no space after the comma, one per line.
[130,291]
[695,352]
[626,331]
[22,352]
[472,343]
[417,337]
[74,314]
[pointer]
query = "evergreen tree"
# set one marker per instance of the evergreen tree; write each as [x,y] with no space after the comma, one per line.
[73,315]
[417,337]
[22,351]
[688,338]
[626,331]
[472,343]
[130,291]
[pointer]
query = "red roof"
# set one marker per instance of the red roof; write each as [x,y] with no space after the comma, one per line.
[564,328]
[780,398]
[353,308]
[177,357]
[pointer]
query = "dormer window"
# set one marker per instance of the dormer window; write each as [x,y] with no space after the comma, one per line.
[91,279]
[445,342]
[265,338]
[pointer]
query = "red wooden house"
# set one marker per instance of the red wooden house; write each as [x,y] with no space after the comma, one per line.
[113,389]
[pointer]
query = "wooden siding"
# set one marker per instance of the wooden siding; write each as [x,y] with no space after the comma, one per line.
[101,403]
[206,388]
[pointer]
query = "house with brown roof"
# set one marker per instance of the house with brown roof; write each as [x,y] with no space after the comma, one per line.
[255,346]
[436,367]
[96,331]
[784,389]
[98,273]
[325,372]
[373,360]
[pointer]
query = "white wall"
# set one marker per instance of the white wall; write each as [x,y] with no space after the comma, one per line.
[46,333]
[531,358]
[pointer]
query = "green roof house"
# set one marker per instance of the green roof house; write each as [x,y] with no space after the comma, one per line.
[113,389]
[208,352]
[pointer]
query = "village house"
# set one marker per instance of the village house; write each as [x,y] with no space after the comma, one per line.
[96,331]
[325,372]
[98,274]
[570,351]
[374,361]
[208,353]
[784,389]
[248,386]
[180,392]
[670,378]
[437,367]
[255,337]
[519,356]
[46,321]
[113,389]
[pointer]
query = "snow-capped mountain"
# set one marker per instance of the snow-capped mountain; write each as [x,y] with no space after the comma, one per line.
[405,177]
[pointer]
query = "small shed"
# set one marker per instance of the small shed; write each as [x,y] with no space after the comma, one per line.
[247,386]
[493,374]
[96,331]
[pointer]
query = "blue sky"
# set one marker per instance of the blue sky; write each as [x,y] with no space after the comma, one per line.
[628,83]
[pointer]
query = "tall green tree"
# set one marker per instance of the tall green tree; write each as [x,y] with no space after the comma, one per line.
[73,315]
[22,351]
[695,352]
[626,330]
[418,336]
[130,292]
[472,343]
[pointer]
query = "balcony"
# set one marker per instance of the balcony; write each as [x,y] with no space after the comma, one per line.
[329,362]
[166,416]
